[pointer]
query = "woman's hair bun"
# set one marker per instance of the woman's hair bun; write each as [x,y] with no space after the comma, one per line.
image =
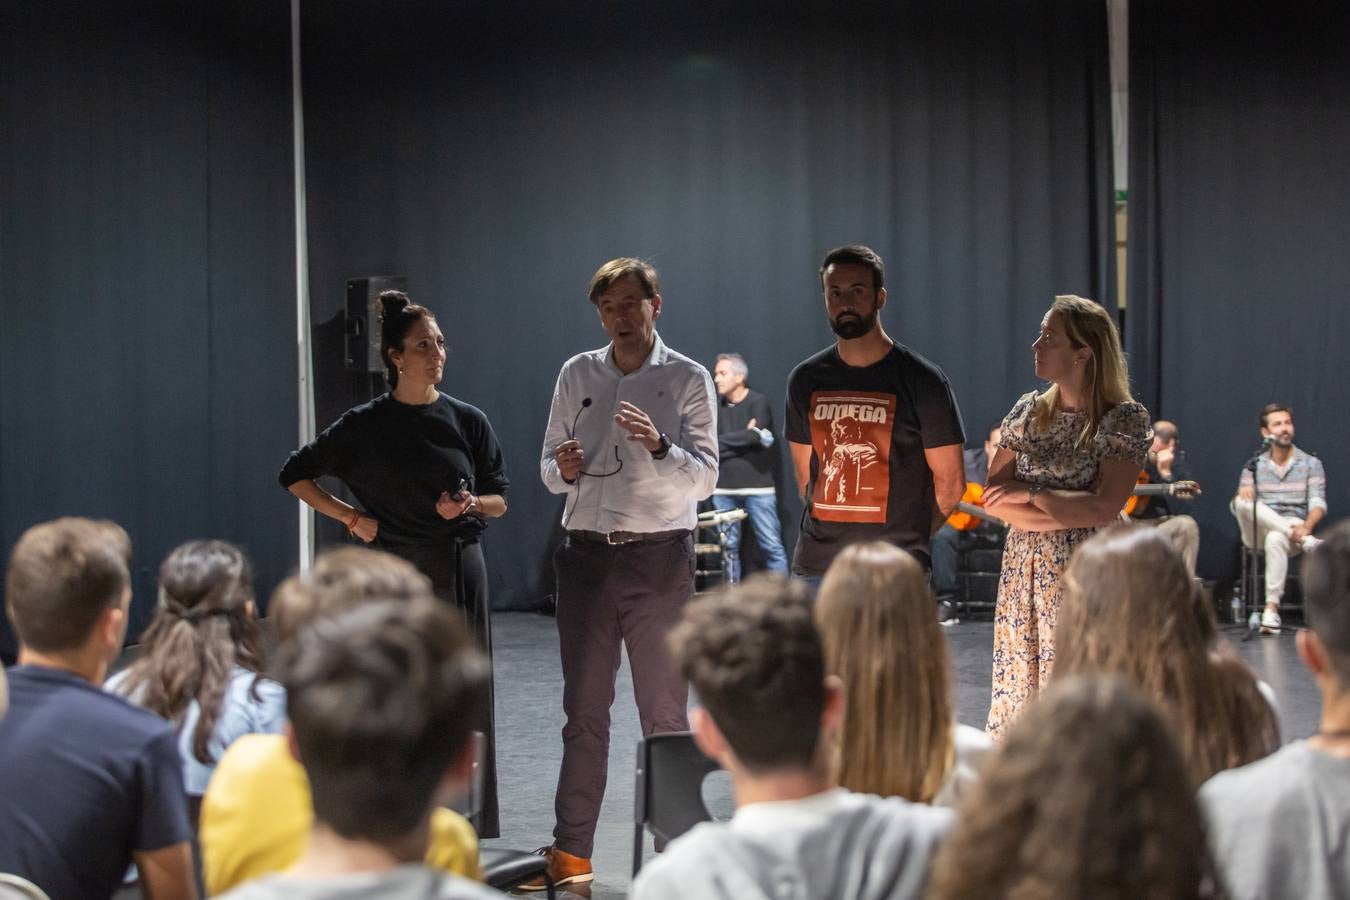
[392,303]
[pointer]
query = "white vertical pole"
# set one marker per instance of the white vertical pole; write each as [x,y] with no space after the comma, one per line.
[304,360]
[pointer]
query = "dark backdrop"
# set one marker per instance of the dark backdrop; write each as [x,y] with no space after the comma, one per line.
[496,153]
[147,337]
[1239,198]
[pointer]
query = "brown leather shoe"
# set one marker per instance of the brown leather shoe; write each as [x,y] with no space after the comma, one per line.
[563,868]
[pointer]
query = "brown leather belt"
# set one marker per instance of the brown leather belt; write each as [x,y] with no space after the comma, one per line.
[624,537]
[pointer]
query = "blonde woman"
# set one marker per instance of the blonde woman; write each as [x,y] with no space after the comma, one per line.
[1068,458]
[899,736]
[1131,609]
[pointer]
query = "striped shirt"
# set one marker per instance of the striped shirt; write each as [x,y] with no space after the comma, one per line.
[1293,489]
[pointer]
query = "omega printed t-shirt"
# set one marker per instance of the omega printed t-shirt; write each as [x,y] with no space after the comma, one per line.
[868,427]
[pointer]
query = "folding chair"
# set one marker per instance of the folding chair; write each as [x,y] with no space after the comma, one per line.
[668,796]
[13,887]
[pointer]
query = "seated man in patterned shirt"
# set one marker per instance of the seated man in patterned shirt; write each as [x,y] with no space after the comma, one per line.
[1287,500]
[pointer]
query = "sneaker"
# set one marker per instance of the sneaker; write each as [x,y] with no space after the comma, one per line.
[563,868]
[1270,621]
[946,613]
[1310,543]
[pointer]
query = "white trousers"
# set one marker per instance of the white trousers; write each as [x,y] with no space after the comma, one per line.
[1273,537]
[1183,532]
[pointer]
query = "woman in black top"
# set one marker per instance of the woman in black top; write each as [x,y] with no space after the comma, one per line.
[427,471]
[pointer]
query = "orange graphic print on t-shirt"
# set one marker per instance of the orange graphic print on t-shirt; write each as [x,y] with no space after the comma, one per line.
[851,434]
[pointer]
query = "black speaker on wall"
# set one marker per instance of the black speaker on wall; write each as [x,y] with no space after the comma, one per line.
[363,320]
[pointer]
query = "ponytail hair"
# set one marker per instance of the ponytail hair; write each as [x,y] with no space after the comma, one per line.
[398,315]
[202,629]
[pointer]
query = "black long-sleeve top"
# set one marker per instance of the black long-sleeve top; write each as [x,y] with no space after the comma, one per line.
[744,461]
[397,458]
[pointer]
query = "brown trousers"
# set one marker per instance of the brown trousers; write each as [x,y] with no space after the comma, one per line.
[610,596]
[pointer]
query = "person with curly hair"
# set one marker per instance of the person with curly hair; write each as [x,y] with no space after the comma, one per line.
[768,709]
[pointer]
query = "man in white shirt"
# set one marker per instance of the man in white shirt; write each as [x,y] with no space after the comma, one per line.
[1279,826]
[632,443]
[767,715]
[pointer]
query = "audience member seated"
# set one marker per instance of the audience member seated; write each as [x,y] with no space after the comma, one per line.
[1279,826]
[945,545]
[1167,465]
[768,710]
[1287,498]
[899,736]
[201,659]
[1130,608]
[256,816]
[1089,798]
[88,782]
[380,700]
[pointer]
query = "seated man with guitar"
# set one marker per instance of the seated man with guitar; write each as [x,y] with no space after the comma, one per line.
[969,516]
[1164,479]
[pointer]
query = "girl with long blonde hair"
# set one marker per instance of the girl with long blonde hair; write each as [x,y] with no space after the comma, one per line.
[899,737]
[1131,609]
[1068,458]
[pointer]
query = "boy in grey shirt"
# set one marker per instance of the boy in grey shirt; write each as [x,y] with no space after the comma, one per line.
[754,658]
[379,701]
[1280,827]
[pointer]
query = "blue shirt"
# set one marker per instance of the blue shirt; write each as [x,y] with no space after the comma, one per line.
[240,714]
[86,780]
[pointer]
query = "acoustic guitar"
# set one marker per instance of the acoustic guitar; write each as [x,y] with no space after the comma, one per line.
[1144,491]
[970,510]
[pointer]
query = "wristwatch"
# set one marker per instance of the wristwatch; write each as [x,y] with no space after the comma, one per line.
[661,451]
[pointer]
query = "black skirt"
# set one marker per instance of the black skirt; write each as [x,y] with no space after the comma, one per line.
[458,575]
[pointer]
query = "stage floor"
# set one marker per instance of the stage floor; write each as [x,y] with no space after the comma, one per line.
[529,725]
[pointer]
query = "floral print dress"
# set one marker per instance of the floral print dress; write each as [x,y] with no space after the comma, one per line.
[1034,561]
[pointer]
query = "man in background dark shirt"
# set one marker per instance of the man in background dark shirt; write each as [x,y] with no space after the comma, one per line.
[88,782]
[1167,465]
[745,480]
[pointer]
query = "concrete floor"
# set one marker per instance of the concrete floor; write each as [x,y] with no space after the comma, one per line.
[529,723]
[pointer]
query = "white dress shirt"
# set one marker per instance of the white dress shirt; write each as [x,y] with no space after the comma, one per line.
[646,494]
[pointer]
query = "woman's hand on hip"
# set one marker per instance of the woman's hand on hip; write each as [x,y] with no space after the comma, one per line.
[366,528]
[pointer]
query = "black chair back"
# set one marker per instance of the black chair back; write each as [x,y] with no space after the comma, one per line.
[668,796]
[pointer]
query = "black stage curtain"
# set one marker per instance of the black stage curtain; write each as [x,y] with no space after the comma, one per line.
[147,336]
[1239,204]
[496,153]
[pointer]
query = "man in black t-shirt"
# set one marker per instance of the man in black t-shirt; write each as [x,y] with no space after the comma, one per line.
[88,783]
[745,442]
[874,429]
